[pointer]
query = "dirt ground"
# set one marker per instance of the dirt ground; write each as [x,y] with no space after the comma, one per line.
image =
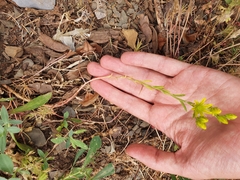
[32,63]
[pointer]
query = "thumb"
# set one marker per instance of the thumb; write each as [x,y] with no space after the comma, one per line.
[155,158]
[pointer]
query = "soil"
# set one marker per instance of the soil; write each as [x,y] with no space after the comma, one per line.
[33,64]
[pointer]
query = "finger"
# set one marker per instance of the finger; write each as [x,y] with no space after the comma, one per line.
[140,73]
[127,85]
[95,69]
[127,102]
[162,64]
[155,158]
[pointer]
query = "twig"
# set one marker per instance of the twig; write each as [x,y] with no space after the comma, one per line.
[59,104]
[15,93]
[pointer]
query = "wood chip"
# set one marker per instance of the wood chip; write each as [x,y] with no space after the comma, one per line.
[14,51]
[103,36]
[50,43]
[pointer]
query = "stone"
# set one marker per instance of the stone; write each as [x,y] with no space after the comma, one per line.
[38,4]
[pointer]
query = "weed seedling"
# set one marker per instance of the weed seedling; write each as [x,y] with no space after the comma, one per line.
[69,139]
[7,126]
[86,172]
[200,109]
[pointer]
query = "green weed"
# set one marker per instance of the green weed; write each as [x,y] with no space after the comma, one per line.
[201,110]
[84,171]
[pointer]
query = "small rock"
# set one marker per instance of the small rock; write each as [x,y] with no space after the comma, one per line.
[94,5]
[37,137]
[27,63]
[144,124]
[72,113]
[109,12]
[123,18]
[55,174]
[135,127]
[38,4]
[116,13]
[19,74]
[60,147]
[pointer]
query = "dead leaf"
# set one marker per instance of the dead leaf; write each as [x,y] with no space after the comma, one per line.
[131,37]
[187,38]
[52,44]
[55,74]
[97,48]
[161,41]
[89,99]
[235,34]
[14,51]
[144,25]
[38,52]
[70,93]
[86,48]
[103,36]
[41,88]
[51,53]
[78,71]
[67,38]
[115,132]
[215,58]
[154,40]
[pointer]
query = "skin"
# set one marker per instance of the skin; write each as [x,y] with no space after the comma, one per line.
[204,154]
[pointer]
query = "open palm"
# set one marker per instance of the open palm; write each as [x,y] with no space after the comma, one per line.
[204,154]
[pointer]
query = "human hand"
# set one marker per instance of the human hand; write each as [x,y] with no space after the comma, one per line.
[204,154]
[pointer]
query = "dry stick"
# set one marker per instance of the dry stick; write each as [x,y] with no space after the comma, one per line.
[190,8]
[238,44]
[15,93]
[229,62]
[59,104]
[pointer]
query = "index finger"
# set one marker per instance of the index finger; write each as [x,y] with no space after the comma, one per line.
[162,64]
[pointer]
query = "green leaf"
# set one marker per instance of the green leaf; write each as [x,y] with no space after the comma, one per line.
[4,115]
[6,99]
[3,142]
[173,177]
[95,144]
[13,129]
[78,154]
[15,122]
[183,105]
[58,140]
[1,130]
[33,104]
[23,147]
[228,1]
[80,131]
[41,153]
[70,133]
[2,178]
[65,123]
[106,171]
[77,143]
[75,120]
[6,164]
[66,115]
[68,143]
[78,173]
